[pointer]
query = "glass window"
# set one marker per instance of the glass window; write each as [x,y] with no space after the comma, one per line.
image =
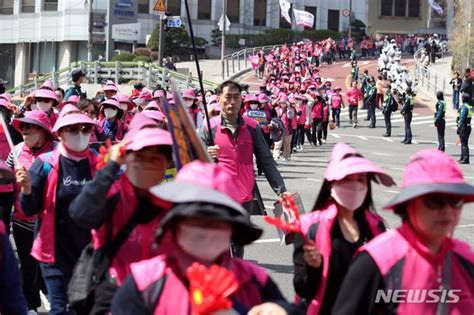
[143,6]
[313,11]
[333,20]
[414,8]
[260,13]
[400,7]
[28,6]
[174,7]
[233,11]
[6,6]
[204,9]
[50,5]
[386,8]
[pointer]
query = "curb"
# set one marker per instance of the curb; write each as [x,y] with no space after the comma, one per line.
[239,74]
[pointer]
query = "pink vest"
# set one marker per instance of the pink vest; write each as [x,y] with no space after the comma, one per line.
[26,158]
[353,96]
[420,268]
[317,110]
[326,113]
[301,120]
[236,156]
[43,246]
[139,244]
[288,122]
[175,295]
[336,101]
[326,219]
[52,116]
[4,151]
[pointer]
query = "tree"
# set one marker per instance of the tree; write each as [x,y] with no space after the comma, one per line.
[177,40]
[216,37]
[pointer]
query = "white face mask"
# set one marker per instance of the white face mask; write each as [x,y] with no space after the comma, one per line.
[110,112]
[34,107]
[202,243]
[43,106]
[253,106]
[124,107]
[188,103]
[76,142]
[350,195]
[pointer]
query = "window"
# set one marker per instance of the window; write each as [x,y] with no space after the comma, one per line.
[333,20]
[400,7]
[28,6]
[386,7]
[233,11]
[313,11]
[174,7]
[260,13]
[414,8]
[6,6]
[143,6]
[204,9]
[50,5]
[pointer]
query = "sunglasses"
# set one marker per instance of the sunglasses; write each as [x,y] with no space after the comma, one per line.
[27,126]
[75,129]
[43,99]
[439,201]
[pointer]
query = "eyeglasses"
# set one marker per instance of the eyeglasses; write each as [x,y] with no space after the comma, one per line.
[74,129]
[27,126]
[439,201]
[43,99]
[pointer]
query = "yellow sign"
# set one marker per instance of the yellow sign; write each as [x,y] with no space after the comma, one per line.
[160,6]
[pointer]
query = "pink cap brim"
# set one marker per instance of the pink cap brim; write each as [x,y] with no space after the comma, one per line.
[72,119]
[149,137]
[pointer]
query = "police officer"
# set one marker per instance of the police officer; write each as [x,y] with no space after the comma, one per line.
[464,127]
[77,78]
[370,95]
[387,110]
[364,82]
[407,112]
[440,123]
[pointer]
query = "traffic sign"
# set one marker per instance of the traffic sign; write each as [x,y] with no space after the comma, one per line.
[160,6]
[221,23]
[174,21]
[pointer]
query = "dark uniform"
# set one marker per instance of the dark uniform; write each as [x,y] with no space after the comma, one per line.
[76,75]
[464,130]
[370,95]
[387,113]
[407,112]
[440,123]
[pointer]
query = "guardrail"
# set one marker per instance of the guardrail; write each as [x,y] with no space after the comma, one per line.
[238,61]
[429,79]
[119,72]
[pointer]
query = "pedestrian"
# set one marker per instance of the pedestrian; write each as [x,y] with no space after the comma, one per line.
[316,116]
[111,125]
[388,103]
[371,95]
[37,139]
[342,220]
[127,106]
[46,100]
[354,96]
[364,82]
[420,258]
[109,91]
[47,189]
[78,78]
[300,110]
[60,95]
[439,122]
[466,86]
[380,86]
[325,122]
[236,140]
[456,83]
[355,71]
[190,101]
[204,221]
[337,103]
[464,127]
[286,113]
[407,113]
[147,155]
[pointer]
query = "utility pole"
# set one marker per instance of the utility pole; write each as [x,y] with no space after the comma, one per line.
[349,33]
[224,25]
[91,26]
[160,41]
[468,61]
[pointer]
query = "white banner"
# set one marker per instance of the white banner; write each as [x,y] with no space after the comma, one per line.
[284,8]
[435,6]
[303,18]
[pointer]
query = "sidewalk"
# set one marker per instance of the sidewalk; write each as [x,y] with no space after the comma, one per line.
[211,69]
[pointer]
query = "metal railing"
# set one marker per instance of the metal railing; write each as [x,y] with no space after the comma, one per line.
[120,72]
[429,79]
[238,61]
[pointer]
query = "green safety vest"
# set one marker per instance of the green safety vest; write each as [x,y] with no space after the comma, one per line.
[470,110]
[411,102]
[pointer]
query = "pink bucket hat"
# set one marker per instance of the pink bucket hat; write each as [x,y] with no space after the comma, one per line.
[155,115]
[47,85]
[139,122]
[153,105]
[72,119]
[73,99]
[346,161]
[149,137]
[34,117]
[432,171]
[110,86]
[189,93]
[44,93]
[263,98]
[68,109]
[123,98]
[112,102]
[159,93]
[145,95]
[250,98]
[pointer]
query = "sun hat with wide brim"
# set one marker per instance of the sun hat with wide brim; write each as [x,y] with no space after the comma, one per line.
[72,119]
[432,171]
[155,115]
[45,93]
[110,86]
[34,117]
[149,137]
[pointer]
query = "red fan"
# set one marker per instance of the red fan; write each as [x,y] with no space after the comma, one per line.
[290,206]
[210,288]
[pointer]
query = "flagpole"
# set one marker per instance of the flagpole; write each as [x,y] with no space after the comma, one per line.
[198,69]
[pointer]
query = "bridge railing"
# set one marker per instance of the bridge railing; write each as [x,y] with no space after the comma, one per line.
[429,79]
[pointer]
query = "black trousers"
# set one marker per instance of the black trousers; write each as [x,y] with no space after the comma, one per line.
[324,128]
[440,127]
[464,136]
[371,113]
[6,203]
[353,113]
[408,116]
[388,122]
[316,130]
[30,270]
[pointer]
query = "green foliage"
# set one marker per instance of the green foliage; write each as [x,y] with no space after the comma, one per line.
[216,37]
[277,36]
[154,55]
[142,51]
[142,58]
[358,29]
[232,41]
[200,42]
[123,56]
